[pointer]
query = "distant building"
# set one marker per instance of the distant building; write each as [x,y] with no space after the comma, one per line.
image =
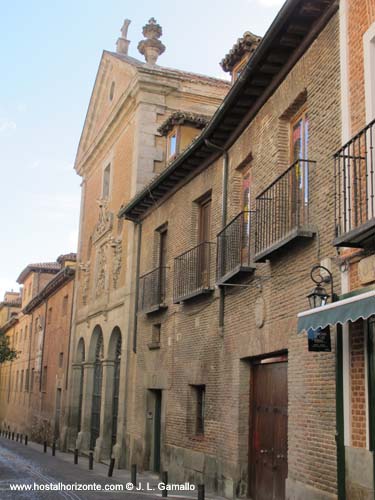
[9,307]
[32,387]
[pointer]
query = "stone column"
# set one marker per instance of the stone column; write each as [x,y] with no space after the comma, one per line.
[83,439]
[70,428]
[103,443]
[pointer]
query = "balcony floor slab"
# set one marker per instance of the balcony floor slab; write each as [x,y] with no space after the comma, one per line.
[236,274]
[299,233]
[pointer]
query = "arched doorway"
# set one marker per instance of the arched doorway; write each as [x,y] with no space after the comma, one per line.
[80,359]
[97,388]
[115,354]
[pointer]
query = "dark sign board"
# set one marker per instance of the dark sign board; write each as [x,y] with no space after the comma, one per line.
[319,340]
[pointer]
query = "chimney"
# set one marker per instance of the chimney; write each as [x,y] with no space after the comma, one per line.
[151,47]
[122,44]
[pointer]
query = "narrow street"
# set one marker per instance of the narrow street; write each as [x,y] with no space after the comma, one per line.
[28,465]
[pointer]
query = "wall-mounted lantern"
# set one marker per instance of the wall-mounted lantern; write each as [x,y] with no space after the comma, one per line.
[319,296]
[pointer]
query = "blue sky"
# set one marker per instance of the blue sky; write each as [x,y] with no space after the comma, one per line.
[49,56]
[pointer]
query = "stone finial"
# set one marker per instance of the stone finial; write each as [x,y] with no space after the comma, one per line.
[122,44]
[151,47]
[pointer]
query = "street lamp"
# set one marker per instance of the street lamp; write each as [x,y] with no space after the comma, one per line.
[319,296]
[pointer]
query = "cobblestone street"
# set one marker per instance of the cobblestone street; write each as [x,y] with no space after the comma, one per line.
[26,465]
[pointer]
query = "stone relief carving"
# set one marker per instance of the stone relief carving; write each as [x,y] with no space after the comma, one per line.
[101,266]
[105,221]
[85,280]
[260,314]
[116,245]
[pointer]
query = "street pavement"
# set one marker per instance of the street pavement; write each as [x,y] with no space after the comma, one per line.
[26,465]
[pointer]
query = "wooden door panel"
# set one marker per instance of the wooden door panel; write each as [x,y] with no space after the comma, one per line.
[269,431]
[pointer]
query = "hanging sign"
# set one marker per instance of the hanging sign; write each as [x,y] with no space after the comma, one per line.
[319,340]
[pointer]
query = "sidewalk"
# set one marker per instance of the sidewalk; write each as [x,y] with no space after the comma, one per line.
[147,480]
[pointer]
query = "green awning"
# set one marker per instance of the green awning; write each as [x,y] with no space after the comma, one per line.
[351,309]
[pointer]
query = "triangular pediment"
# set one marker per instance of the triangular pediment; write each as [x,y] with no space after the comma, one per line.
[114,76]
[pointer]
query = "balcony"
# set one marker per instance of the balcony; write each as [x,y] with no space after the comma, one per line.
[283,211]
[192,272]
[355,190]
[234,255]
[152,291]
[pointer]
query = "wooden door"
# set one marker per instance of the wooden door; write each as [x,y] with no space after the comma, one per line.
[245,230]
[162,264]
[157,431]
[96,394]
[268,431]
[299,182]
[204,234]
[116,390]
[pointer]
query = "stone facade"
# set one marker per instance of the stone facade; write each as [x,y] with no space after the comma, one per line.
[120,151]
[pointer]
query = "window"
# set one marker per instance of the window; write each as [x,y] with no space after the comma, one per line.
[237,70]
[44,379]
[49,315]
[61,359]
[112,91]
[27,381]
[204,235]
[106,181]
[300,137]
[65,305]
[17,377]
[172,144]
[156,330]
[32,380]
[21,384]
[369,66]
[200,401]
[36,324]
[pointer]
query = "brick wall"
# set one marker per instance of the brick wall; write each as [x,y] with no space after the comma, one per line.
[194,350]
[358,385]
[360,16]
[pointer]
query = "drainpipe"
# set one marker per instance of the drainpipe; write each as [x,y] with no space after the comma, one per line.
[224,211]
[138,263]
[70,330]
[340,416]
[42,353]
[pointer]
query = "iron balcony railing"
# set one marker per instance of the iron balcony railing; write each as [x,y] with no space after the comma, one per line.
[283,207]
[235,246]
[355,181]
[152,289]
[192,272]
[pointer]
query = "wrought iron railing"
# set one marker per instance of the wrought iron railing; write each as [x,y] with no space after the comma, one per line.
[152,289]
[192,272]
[355,181]
[284,206]
[235,245]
